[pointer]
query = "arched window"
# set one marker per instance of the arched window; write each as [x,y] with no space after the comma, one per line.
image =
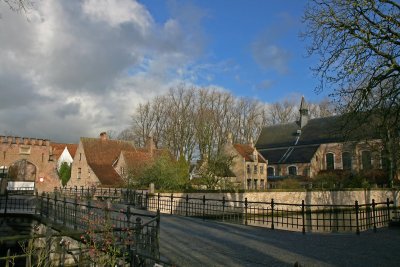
[346,159]
[366,160]
[270,171]
[330,161]
[292,170]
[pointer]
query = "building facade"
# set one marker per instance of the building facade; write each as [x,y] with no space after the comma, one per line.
[28,161]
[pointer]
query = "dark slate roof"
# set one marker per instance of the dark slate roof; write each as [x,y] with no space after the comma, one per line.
[302,154]
[288,143]
[316,131]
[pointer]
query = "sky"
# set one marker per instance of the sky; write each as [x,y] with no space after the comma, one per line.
[76,68]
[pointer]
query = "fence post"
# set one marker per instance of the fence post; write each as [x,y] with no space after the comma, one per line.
[245,211]
[6,204]
[55,208]
[303,217]
[223,208]
[387,208]
[357,222]
[75,212]
[65,210]
[187,204]
[138,229]
[272,213]
[373,214]
[204,207]
[158,201]
[146,203]
[172,201]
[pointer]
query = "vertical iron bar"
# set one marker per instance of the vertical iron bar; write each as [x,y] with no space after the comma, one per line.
[186,205]
[357,223]
[303,217]
[172,201]
[272,213]
[245,211]
[373,214]
[204,206]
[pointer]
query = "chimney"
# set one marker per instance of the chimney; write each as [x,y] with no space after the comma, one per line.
[40,142]
[25,140]
[9,139]
[33,141]
[2,138]
[150,144]
[17,139]
[304,116]
[103,136]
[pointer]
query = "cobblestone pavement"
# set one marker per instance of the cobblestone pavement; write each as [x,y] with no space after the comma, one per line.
[193,242]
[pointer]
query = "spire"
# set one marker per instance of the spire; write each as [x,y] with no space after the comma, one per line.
[304,116]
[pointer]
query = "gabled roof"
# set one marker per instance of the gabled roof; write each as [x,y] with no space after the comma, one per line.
[58,149]
[286,155]
[246,151]
[316,131]
[100,156]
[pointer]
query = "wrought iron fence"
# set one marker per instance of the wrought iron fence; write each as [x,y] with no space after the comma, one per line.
[135,232]
[275,215]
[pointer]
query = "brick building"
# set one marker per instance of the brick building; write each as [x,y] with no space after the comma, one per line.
[27,161]
[308,146]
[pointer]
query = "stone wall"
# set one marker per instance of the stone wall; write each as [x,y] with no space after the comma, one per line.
[309,197]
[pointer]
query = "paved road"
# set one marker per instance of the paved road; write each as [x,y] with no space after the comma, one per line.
[192,242]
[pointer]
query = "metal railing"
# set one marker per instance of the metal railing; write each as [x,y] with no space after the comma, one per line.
[135,232]
[275,215]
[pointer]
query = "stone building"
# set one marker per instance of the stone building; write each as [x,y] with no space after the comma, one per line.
[27,162]
[248,165]
[308,146]
[94,159]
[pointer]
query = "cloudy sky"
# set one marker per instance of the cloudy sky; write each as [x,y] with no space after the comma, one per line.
[78,67]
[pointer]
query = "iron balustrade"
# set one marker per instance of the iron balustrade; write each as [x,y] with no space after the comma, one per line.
[275,215]
[136,231]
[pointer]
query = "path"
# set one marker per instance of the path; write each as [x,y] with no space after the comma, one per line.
[193,242]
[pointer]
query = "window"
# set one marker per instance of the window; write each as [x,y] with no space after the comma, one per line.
[385,162]
[80,156]
[270,171]
[366,160]
[306,172]
[248,169]
[262,169]
[262,185]
[248,183]
[346,159]
[255,184]
[79,173]
[330,161]
[255,169]
[122,170]
[292,170]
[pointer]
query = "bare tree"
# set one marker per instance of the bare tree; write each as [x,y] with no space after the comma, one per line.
[358,43]
[282,112]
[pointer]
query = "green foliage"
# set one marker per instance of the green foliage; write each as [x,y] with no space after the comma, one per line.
[346,179]
[64,173]
[289,183]
[215,171]
[165,173]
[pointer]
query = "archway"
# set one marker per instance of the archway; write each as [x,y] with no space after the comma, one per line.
[22,171]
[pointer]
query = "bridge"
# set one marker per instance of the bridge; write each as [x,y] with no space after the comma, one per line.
[133,234]
[199,240]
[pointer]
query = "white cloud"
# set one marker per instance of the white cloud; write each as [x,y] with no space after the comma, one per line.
[71,69]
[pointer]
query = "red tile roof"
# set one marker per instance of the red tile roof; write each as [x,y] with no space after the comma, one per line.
[100,156]
[58,148]
[246,151]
